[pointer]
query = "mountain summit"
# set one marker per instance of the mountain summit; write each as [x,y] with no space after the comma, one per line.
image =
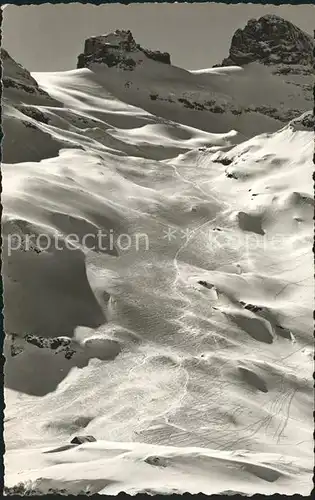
[270,40]
[119,49]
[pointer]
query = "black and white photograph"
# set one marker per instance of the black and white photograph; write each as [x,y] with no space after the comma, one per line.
[157,234]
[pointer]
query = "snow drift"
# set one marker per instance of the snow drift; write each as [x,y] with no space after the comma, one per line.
[187,351]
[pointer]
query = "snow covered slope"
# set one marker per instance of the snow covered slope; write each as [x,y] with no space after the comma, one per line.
[183,342]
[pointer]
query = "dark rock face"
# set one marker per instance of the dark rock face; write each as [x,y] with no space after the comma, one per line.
[117,49]
[33,112]
[304,122]
[156,55]
[270,40]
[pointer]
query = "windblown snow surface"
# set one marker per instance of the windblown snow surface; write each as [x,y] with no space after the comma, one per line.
[191,349]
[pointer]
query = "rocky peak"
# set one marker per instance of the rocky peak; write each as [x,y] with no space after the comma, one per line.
[270,40]
[18,79]
[13,70]
[119,49]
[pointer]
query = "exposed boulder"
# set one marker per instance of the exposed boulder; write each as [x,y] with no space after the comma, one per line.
[82,439]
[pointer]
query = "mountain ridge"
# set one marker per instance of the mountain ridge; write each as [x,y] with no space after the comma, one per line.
[258,96]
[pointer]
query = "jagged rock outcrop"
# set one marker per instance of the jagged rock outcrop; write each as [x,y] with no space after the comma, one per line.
[304,122]
[58,344]
[270,40]
[100,348]
[117,49]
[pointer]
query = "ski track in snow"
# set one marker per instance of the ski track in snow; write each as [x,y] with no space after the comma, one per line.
[170,375]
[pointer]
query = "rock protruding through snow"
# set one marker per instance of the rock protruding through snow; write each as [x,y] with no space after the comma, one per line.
[82,439]
[119,49]
[270,40]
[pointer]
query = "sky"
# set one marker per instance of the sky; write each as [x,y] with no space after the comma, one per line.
[49,37]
